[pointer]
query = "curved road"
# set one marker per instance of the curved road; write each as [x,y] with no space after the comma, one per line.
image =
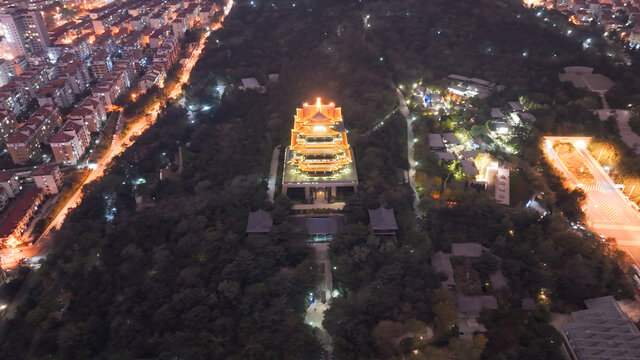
[404,110]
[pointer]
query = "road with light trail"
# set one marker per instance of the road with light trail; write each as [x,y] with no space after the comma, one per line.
[11,257]
[609,212]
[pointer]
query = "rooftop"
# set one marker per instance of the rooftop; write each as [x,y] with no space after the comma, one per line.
[5,176]
[61,138]
[468,249]
[45,169]
[441,262]
[435,141]
[346,175]
[18,212]
[586,79]
[469,167]
[473,305]
[603,331]
[443,155]
[322,226]
[451,138]
[259,222]
[382,219]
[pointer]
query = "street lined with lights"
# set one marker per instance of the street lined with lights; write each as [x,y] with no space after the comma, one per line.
[11,259]
[608,210]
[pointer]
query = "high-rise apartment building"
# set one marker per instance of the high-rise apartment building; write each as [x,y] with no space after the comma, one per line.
[24,31]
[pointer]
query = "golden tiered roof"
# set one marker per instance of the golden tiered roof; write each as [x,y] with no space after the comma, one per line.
[319,140]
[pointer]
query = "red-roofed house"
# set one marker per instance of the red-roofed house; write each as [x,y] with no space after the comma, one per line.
[111,87]
[80,129]
[91,112]
[24,209]
[67,147]
[23,145]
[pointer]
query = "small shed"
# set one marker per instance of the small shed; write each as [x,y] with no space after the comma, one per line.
[497,114]
[435,142]
[273,77]
[259,222]
[250,83]
[443,155]
[451,139]
[382,221]
[498,280]
[469,168]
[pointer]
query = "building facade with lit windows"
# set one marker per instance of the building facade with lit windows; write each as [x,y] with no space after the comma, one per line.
[109,88]
[91,112]
[13,98]
[70,143]
[32,81]
[24,144]
[319,158]
[48,178]
[57,92]
[8,125]
[24,31]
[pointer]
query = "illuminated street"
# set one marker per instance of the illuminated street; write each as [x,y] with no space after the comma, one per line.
[11,257]
[609,212]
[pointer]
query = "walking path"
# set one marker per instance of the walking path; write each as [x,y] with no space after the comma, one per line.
[332,206]
[315,311]
[380,123]
[404,110]
[273,173]
[628,136]
[622,119]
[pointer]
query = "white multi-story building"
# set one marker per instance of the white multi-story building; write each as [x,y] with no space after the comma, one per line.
[48,178]
[24,31]
[91,112]
[67,147]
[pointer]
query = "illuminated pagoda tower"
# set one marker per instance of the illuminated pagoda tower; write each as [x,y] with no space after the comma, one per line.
[319,159]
